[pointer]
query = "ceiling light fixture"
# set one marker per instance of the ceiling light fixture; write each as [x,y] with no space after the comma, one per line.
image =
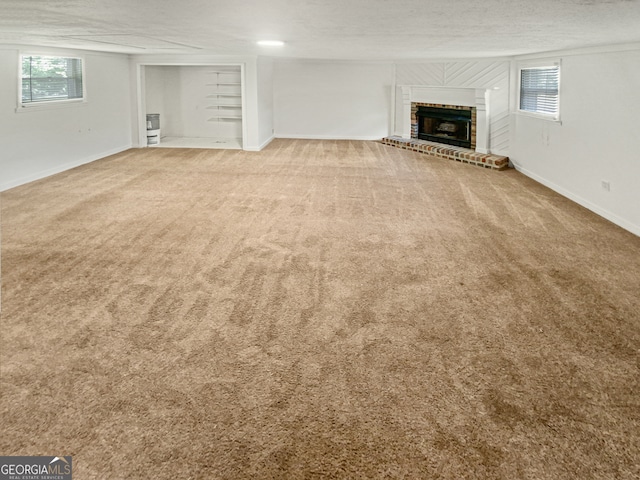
[270,43]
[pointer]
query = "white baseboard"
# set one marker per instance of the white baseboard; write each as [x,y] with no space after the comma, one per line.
[330,137]
[621,222]
[504,153]
[260,147]
[59,168]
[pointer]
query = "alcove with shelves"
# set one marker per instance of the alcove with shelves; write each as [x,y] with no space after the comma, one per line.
[199,106]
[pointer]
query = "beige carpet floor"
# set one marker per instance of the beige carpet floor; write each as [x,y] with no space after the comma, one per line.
[320,309]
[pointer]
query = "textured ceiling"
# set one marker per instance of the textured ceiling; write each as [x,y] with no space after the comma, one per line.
[331,29]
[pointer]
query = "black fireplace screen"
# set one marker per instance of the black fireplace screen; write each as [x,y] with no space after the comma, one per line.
[445,125]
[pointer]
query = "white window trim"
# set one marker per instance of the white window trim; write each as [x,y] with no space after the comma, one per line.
[50,104]
[540,64]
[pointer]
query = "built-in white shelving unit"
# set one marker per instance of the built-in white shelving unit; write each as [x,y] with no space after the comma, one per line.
[200,106]
[225,99]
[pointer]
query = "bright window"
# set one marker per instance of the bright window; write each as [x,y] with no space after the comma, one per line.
[539,90]
[51,79]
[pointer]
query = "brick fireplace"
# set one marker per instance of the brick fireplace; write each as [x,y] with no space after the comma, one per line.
[450,124]
[474,102]
[465,99]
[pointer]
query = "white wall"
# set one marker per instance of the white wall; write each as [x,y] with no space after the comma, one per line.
[485,74]
[35,143]
[597,139]
[336,100]
[265,100]
[159,81]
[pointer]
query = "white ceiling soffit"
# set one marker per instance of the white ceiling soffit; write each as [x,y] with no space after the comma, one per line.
[141,42]
[323,29]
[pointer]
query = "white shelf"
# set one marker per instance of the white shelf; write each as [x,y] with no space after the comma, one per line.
[214,95]
[230,84]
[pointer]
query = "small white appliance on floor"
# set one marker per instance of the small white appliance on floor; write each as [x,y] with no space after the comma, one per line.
[153,129]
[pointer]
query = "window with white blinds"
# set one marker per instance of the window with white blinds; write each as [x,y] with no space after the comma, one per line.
[51,79]
[539,90]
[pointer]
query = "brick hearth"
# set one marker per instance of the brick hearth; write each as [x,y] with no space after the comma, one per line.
[459,154]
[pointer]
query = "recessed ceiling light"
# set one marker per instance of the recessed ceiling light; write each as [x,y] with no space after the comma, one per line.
[270,43]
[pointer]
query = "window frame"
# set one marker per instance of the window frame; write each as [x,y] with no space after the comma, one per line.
[49,104]
[539,65]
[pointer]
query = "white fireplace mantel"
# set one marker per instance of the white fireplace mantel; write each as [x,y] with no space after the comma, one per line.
[468,97]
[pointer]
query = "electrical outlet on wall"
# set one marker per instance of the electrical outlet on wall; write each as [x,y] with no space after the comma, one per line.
[545,135]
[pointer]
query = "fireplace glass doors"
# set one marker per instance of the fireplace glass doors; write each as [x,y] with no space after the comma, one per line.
[444,125]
